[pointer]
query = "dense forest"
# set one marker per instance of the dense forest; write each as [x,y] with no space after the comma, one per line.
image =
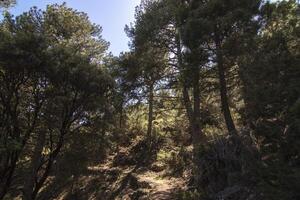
[204,106]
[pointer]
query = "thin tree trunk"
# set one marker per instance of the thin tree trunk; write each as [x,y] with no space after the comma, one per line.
[193,114]
[50,162]
[121,117]
[34,166]
[198,136]
[43,177]
[197,132]
[150,110]
[223,88]
[6,180]
[185,89]
[6,177]
[187,103]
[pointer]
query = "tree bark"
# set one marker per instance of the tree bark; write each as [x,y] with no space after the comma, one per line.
[43,177]
[193,113]
[223,88]
[187,103]
[150,110]
[121,117]
[64,130]
[197,132]
[185,89]
[12,157]
[8,174]
[34,166]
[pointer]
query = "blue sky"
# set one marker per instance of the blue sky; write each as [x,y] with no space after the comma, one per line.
[112,15]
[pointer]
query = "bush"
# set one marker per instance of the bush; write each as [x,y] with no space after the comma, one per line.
[228,169]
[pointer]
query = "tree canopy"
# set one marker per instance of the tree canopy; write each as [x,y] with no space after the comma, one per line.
[204,105]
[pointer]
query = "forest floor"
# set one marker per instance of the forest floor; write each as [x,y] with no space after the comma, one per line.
[123,177]
[161,187]
[141,183]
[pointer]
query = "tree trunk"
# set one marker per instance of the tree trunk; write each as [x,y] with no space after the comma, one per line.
[185,89]
[187,103]
[51,159]
[193,114]
[150,110]
[197,132]
[121,118]
[34,166]
[38,183]
[223,88]
[198,137]
[121,114]
[8,174]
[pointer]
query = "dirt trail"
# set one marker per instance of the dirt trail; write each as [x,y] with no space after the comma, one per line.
[141,183]
[161,188]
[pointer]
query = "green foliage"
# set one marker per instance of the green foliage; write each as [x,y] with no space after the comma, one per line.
[193,66]
[178,161]
[7,3]
[53,84]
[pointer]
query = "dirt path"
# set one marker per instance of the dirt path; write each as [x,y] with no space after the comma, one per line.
[161,188]
[137,182]
[142,184]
